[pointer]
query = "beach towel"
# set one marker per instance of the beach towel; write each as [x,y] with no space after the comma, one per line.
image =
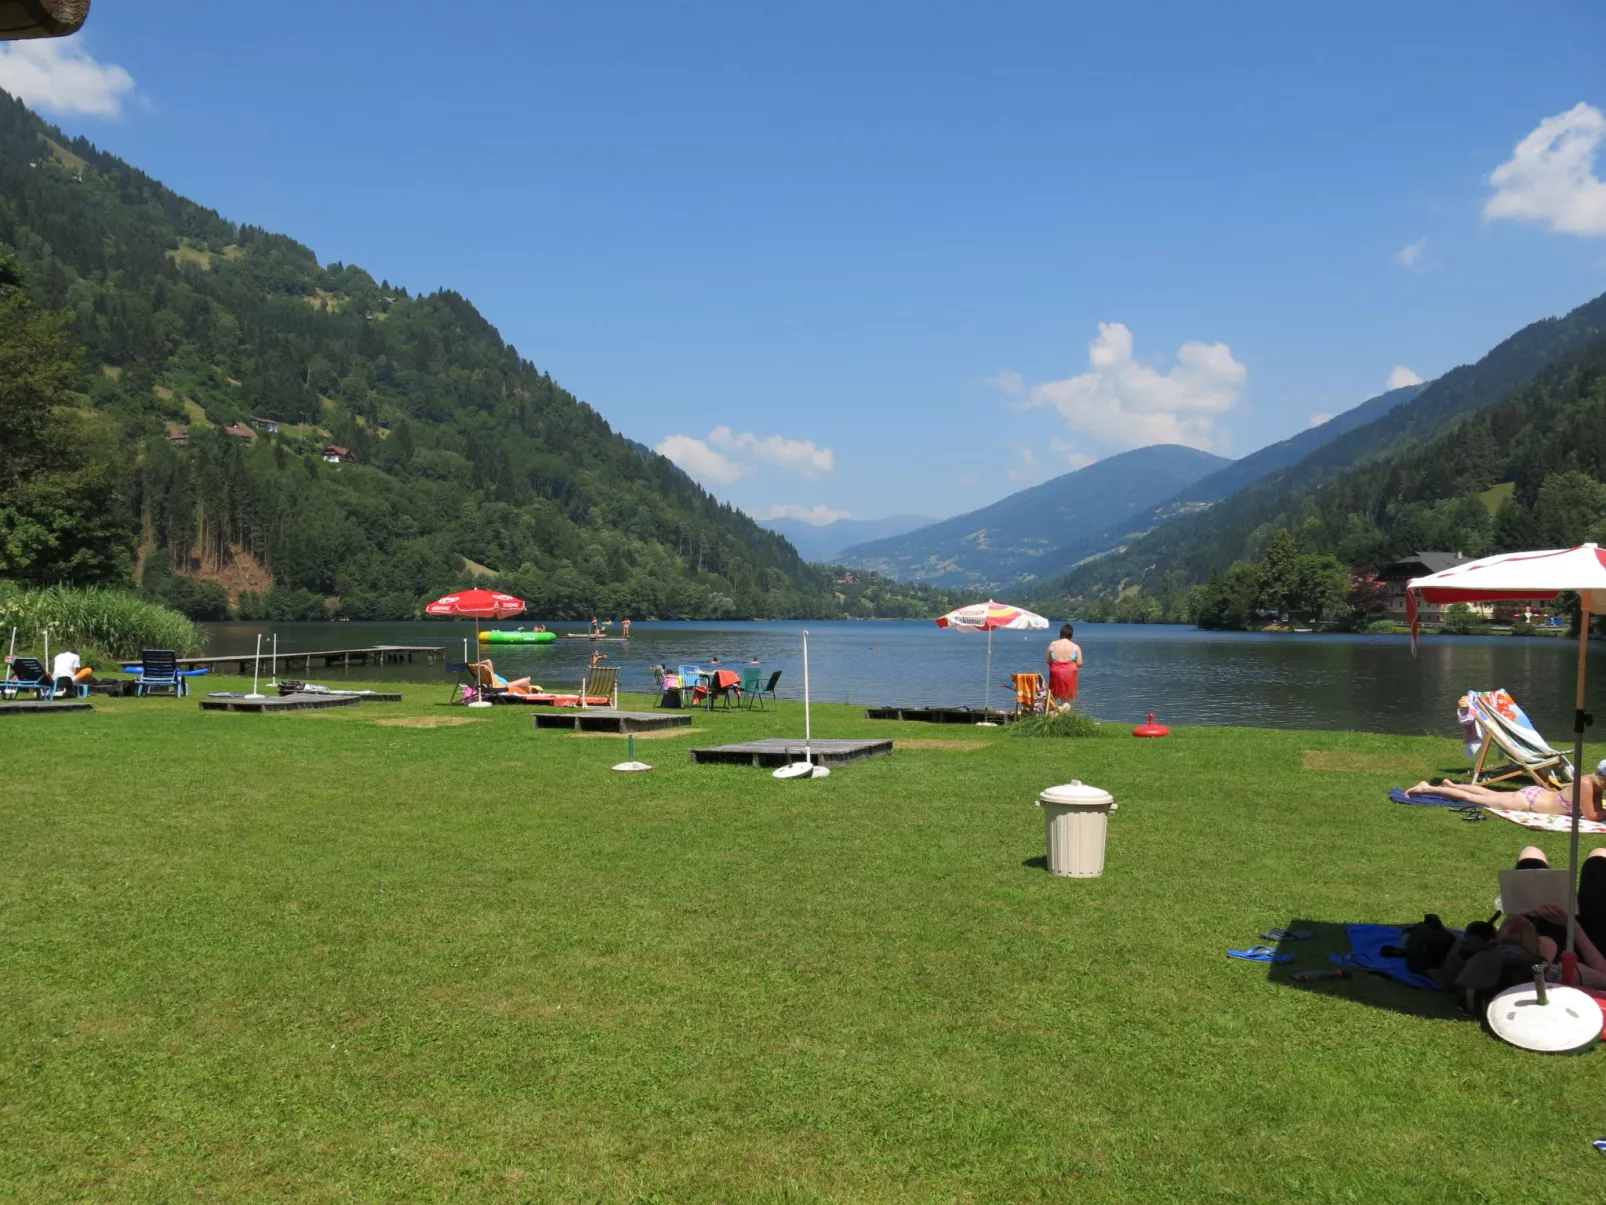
[1366,954]
[1426,800]
[1547,823]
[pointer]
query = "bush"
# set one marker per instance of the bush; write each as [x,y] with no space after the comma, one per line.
[1067,723]
[111,622]
[1523,628]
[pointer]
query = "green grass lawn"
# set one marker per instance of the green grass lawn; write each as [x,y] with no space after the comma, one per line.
[319,956]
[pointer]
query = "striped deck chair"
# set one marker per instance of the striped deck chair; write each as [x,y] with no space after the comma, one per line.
[1510,738]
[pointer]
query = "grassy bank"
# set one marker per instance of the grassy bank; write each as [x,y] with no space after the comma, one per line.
[333,956]
[103,625]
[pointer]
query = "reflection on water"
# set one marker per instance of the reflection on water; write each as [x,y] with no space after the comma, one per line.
[1279,680]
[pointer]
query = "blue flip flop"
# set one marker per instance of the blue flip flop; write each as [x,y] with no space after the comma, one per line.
[1260,954]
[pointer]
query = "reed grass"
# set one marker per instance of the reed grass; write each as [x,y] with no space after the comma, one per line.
[1067,723]
[112,623]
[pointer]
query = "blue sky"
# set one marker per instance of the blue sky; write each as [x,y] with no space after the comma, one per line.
[902,257]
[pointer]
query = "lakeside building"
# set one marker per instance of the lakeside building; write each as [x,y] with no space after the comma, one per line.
[1394,576]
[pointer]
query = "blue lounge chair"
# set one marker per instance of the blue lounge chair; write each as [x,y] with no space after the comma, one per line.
[158,669]
[28,674]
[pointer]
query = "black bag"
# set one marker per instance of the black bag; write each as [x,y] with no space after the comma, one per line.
[1427,945]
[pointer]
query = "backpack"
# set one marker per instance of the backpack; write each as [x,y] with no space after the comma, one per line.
[1428,944]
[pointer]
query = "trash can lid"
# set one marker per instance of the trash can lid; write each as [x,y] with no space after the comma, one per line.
[1077,793]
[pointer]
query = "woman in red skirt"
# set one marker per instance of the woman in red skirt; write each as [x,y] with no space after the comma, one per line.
[1064,666]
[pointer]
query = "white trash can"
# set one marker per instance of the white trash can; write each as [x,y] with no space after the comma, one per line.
[1076,818]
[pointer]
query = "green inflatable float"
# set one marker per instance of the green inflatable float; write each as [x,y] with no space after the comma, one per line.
[496,637]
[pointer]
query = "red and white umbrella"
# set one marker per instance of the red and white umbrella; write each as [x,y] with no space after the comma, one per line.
[477,604]
[1530,575]
[990,617]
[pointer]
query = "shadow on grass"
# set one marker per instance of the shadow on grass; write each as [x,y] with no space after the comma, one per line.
[1040,862]
[1362,987]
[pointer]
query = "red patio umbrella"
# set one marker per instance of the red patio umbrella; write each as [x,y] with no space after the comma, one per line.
[478,605]
[1531,575]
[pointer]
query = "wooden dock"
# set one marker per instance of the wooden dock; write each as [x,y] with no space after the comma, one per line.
[42,707]
[606,720]
[376,654]
[284,703]
[781,751]
[941,715]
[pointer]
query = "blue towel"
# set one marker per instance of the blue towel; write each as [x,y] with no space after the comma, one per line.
[1426,800]
[1366,954]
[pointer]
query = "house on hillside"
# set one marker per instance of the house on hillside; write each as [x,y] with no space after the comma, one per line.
[1418,564]
[269,426]
[244,434]
[179,435]
[335,454]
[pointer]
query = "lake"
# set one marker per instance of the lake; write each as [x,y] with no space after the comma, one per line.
[1276,680]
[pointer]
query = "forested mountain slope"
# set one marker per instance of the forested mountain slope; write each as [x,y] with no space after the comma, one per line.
[187,324]
[1344,499]
[1002,544]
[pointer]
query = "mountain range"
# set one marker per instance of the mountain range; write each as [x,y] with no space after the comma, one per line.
[823,543]
[1007,541]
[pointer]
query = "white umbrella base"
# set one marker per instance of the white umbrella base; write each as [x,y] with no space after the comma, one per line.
[632,767]
[802,769]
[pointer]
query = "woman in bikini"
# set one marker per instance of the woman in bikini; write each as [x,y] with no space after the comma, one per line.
[1528,799]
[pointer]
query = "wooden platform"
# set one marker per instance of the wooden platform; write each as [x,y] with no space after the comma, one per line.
[287,703]
[38,707]
[781,751]
[940,715]
[605,720]
[377,654]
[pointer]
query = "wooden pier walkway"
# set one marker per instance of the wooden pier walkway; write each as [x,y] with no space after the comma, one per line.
[377,654]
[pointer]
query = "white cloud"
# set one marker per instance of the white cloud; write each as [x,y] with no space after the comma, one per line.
[1411,254]
[1028,471]
[701,461]
[1124,404]
[57,75]
[1317,420]
[819,516]
[1008,382]
[1550,177]
[1070,454]
[1402,376]
[799,455]
[727,456]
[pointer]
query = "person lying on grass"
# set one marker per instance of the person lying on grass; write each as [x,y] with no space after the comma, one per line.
[1528,799]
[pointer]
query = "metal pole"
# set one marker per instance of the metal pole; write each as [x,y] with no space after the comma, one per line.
[808,725]
[1581,720]
[987,687]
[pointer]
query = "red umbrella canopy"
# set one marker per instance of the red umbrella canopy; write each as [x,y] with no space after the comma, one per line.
[477,604]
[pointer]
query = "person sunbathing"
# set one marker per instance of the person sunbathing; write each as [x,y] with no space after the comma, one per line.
[486,672]
[1527,799]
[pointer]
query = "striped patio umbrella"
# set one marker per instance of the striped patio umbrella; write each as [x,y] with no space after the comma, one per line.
[989,617]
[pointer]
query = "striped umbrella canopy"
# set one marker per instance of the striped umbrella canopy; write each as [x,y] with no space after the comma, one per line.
[990,617]
[1531,575]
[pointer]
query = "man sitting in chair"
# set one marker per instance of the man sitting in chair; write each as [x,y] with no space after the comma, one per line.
[67,671]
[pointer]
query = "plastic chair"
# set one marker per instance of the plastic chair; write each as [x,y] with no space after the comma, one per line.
[158,668]
[756,696]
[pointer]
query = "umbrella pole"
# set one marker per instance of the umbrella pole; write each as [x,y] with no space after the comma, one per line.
[1580,722]
[987,686]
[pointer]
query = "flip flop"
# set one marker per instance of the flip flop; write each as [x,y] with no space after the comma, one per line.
[1260,954]
[1286,934]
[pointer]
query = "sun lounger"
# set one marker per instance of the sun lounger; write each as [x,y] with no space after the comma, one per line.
[158,670]
[1506,731]
[28,674]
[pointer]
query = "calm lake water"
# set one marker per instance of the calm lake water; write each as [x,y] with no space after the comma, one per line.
[1369,683]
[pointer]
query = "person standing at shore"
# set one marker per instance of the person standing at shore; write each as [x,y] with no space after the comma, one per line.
[1064,666]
